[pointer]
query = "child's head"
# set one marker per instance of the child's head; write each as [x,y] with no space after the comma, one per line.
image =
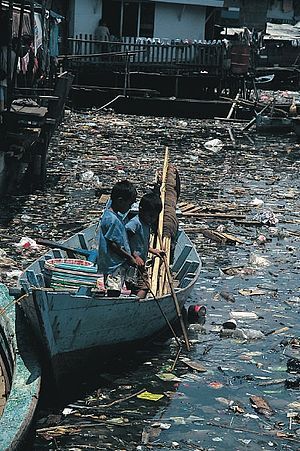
[123,195]
[149,208]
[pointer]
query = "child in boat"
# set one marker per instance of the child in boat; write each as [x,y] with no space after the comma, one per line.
[138,230]
[114,253]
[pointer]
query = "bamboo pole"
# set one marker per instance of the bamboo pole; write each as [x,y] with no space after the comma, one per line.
[166,246]
[156,275]
[174,296]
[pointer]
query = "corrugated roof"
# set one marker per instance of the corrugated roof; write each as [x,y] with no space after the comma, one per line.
[216,3]
[274,31]
[283,31]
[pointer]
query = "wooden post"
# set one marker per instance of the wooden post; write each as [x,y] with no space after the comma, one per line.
[233,106]
[18,51]
[9,52]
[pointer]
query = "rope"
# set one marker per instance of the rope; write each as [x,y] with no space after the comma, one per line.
[15,301]
[161,310]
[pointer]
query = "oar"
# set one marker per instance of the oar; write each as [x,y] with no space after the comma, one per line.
[174,295]
[146,281]
[91,255]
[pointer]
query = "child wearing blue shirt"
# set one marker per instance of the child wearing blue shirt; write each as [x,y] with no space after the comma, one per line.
[114,254]
[138,230]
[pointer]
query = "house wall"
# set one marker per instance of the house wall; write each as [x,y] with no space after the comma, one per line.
[173,21]
[281,9]
[86,16]
[253,14]
[179,21]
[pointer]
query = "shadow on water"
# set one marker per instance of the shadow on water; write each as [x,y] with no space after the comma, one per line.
[102,374]
[108,414]
[10,207]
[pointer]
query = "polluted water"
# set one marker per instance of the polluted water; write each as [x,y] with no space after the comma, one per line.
[238,387]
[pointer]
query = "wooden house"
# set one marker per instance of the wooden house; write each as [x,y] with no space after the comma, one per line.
[163,19]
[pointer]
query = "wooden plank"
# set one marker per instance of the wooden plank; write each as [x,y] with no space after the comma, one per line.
[183,270]
[57,253]
[32,279]
[233,106]
[41,280]
[186,281]
[82,241]
[189,273]
[181,258]
[186,207]
[165,287]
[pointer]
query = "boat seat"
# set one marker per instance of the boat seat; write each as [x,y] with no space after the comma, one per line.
[82,241]
[41,280]
[181,258]
[25,285]
[189,267]
[57,253]
[41,263]
[186,281]
[32,278]
[83,291]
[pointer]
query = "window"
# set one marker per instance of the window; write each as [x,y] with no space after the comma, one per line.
[130,18]
[147,20]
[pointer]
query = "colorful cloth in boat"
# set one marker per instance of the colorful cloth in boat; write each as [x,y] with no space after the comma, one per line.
[138,236]
[115,281]
[112,229]
[137,279]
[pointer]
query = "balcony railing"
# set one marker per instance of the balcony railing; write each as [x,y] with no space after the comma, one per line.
[197,55]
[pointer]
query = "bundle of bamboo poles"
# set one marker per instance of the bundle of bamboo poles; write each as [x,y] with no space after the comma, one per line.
[167,227]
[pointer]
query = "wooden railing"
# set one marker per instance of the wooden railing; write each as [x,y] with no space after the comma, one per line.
[203,55]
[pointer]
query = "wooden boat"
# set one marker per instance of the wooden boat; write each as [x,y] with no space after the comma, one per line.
[20,375]
[78,326]
[264,79]
[273,124]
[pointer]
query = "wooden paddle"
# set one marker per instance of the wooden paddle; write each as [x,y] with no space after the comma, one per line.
[89,254]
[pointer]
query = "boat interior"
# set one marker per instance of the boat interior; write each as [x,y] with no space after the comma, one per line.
[186,265]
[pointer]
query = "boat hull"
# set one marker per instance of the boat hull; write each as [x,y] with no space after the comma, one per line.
[273,124]
[76,330]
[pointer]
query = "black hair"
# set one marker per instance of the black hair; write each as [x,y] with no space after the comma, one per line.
[124,190]
[151,202]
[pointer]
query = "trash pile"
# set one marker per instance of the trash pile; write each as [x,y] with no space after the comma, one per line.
[239,385]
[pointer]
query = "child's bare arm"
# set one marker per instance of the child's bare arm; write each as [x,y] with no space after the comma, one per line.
[157,252]
[122,253]
[138,259]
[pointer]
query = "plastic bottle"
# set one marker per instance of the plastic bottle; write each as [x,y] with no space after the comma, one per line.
[245,334]
[243,315]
